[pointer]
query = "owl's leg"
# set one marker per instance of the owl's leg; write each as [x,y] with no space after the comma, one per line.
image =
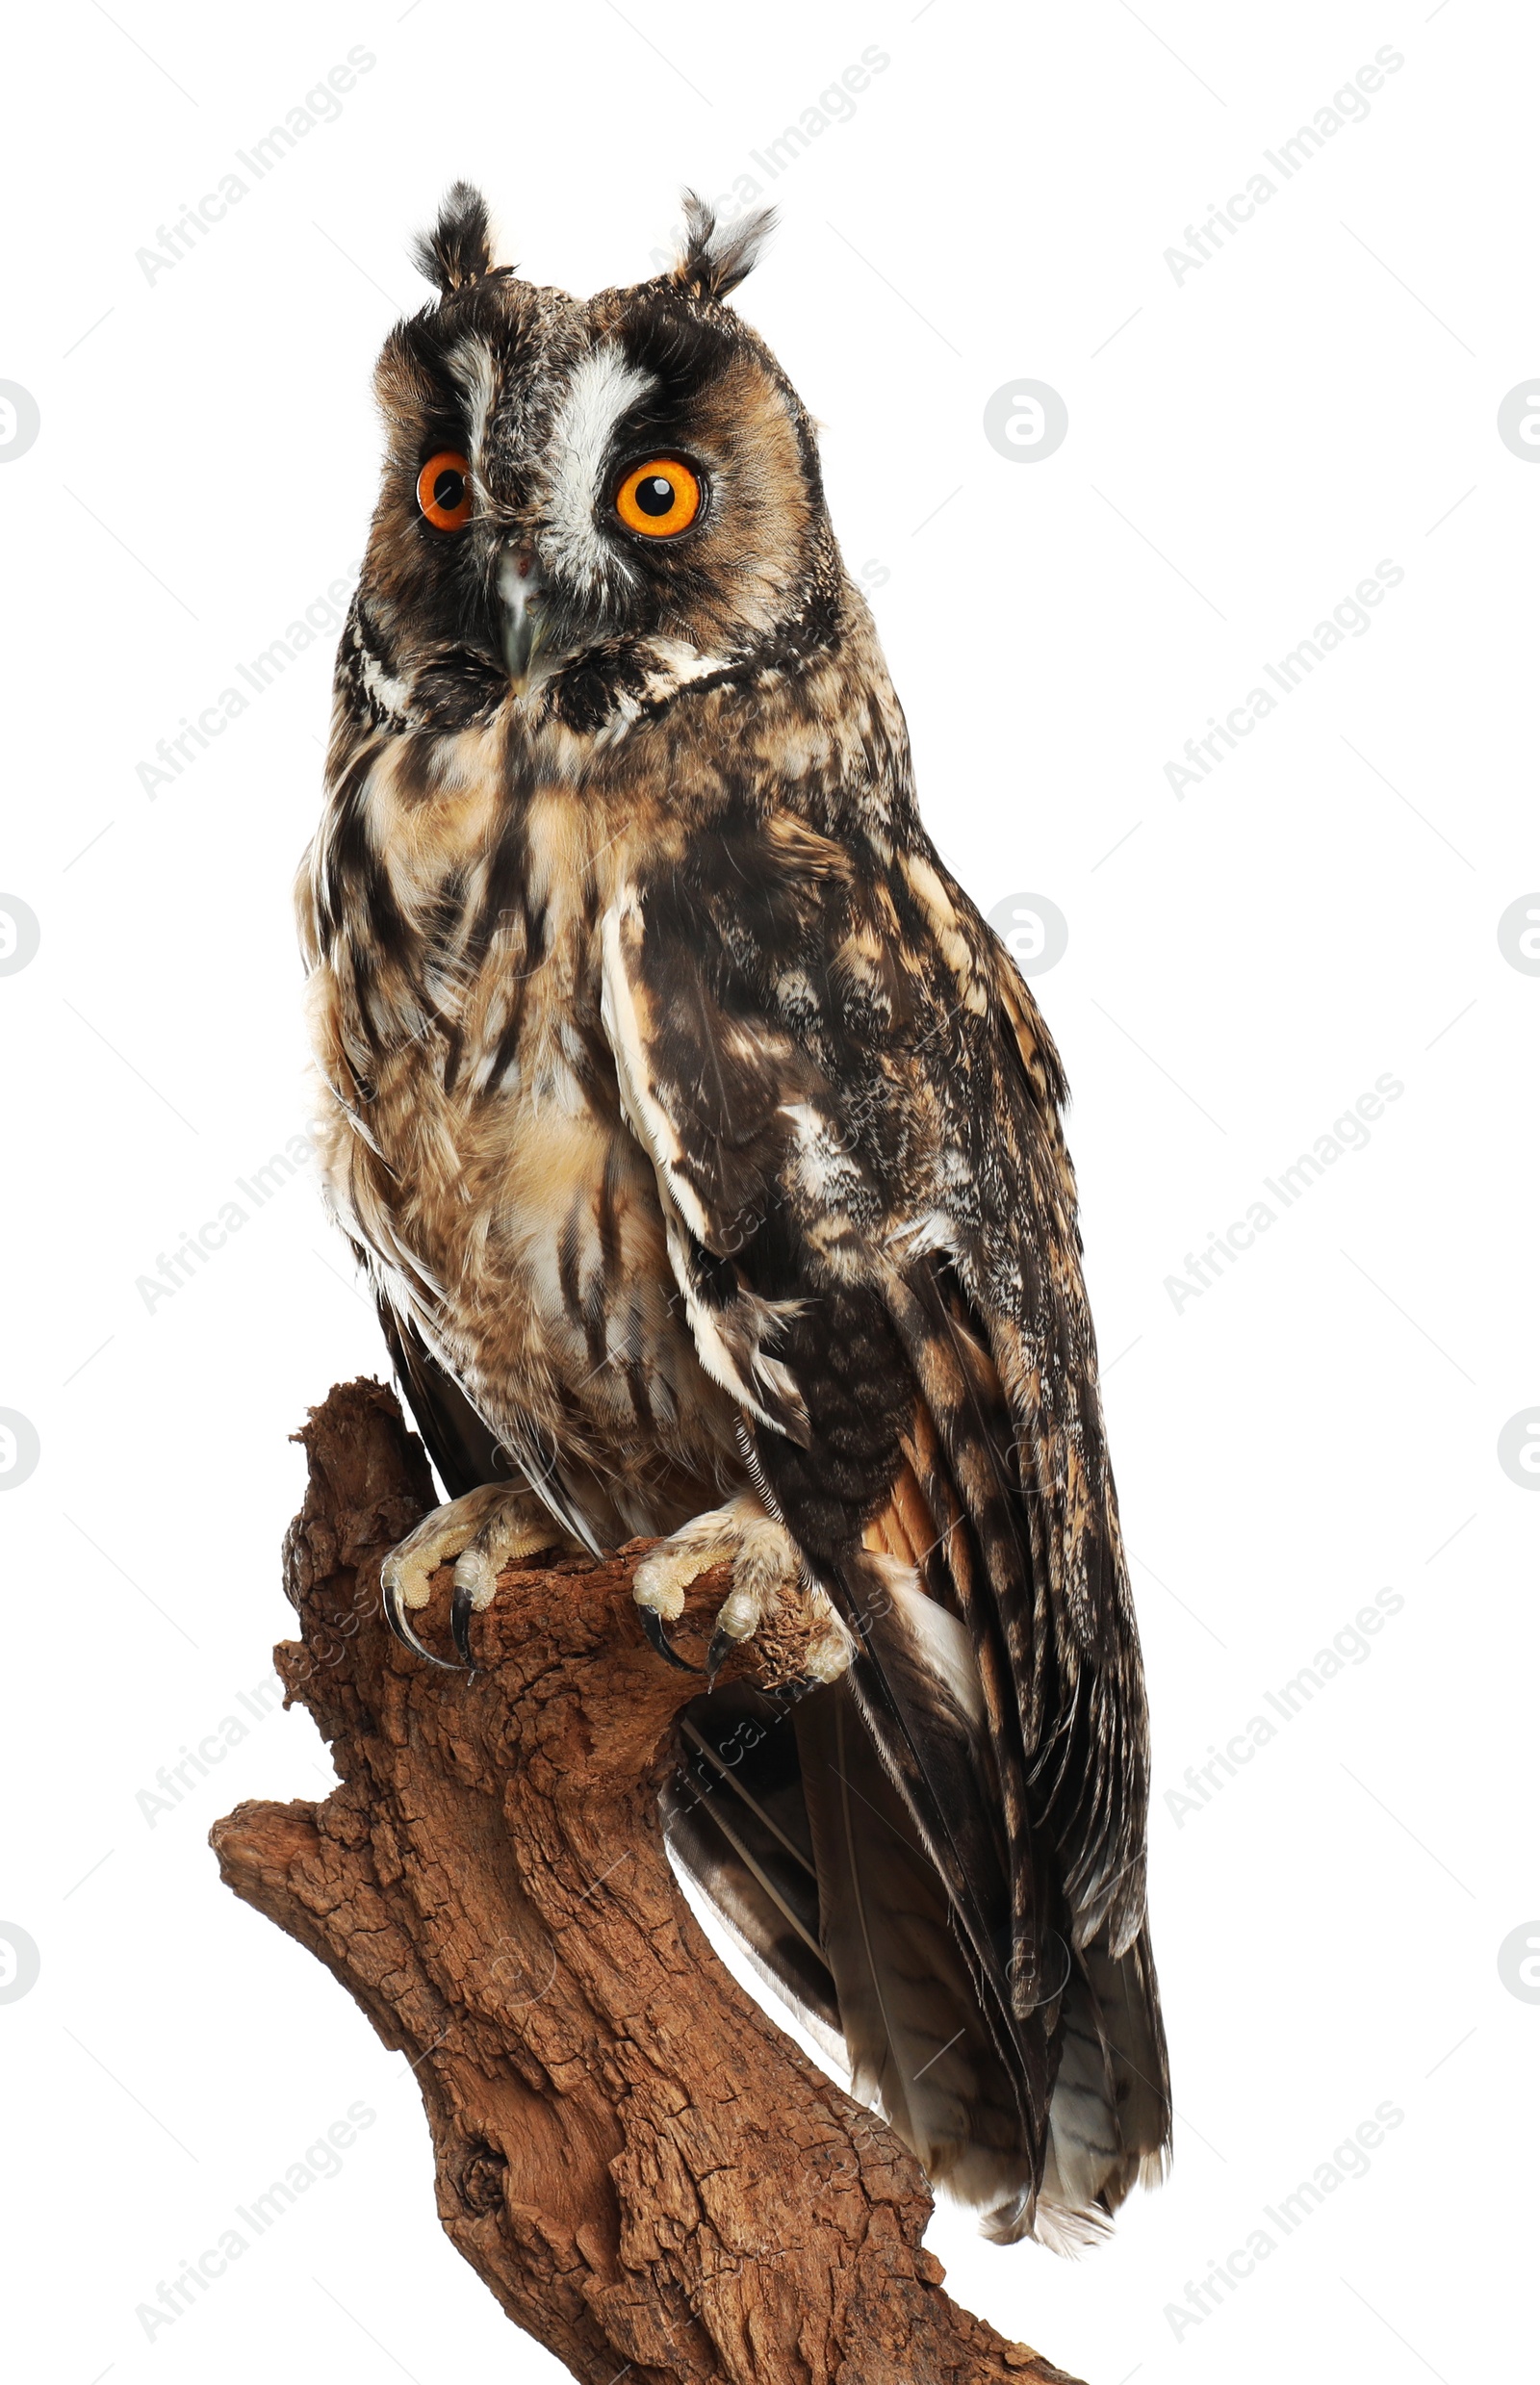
[484,1531]
[768,1578]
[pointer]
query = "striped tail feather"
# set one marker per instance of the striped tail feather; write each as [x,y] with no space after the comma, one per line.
[794,1821]
[737,1824]
[918,2034]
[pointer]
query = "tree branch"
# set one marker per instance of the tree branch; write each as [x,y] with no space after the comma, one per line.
[644,2170]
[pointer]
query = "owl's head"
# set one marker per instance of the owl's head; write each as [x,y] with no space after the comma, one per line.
[587,505]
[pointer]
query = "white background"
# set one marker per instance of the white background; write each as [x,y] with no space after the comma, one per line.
[1245,445]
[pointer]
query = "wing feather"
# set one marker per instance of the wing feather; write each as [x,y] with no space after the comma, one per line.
[854,1113]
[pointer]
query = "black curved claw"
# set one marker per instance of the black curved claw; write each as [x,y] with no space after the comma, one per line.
[395,1617]
[722,1646]
[653,1626]
[460,1613]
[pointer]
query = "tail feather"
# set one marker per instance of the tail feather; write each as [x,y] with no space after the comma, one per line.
[799,1823]
[919,2044]
[738,1825]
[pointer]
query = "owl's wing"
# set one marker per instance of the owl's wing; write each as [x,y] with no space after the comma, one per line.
[852,1113]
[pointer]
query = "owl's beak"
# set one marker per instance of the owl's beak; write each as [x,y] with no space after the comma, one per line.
[519,588]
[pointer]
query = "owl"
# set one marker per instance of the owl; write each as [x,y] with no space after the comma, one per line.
[702,1146]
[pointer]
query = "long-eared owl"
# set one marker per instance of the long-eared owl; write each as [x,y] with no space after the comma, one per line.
[703,1147]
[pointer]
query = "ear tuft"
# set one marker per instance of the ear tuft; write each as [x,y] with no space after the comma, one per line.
[458,249]
[716,257]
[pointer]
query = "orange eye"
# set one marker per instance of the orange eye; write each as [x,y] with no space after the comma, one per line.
[444,491]
[659,498]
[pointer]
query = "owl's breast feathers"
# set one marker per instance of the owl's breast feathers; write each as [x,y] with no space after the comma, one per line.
[702,1130]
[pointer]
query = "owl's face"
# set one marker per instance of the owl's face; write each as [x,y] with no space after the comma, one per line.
[586,504]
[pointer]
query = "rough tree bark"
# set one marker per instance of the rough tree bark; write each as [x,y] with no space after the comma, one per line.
[647,2173]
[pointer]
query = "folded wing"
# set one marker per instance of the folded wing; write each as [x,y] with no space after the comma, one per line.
[853,1113]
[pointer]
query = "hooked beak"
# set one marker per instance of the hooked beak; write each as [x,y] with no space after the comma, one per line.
[519,588]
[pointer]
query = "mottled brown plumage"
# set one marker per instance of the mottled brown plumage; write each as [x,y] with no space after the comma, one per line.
[703,1147]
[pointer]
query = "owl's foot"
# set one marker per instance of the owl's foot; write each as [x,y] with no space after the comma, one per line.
[769,1584]
[484,1531]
